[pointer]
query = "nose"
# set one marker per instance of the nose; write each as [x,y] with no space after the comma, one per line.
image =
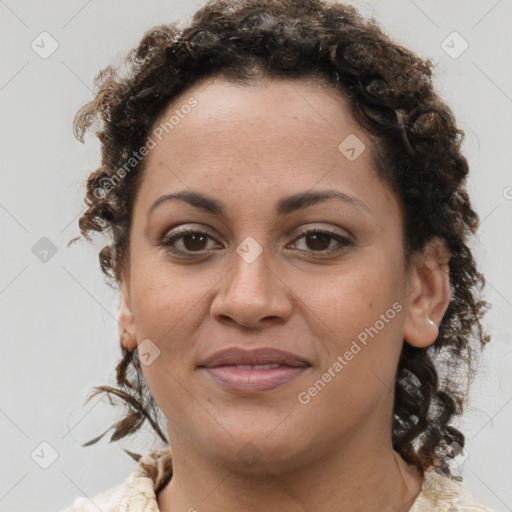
[252,294]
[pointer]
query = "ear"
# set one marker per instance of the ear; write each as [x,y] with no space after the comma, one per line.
[126,323]
[428,294]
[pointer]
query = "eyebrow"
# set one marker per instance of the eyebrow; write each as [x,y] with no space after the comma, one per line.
[284,206]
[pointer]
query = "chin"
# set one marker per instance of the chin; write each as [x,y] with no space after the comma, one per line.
[259,451]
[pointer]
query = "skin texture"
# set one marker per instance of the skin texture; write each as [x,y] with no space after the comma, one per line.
[248,147]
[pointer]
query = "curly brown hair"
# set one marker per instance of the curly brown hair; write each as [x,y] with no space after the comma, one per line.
[417,152]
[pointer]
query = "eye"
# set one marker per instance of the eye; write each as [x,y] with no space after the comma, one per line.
[190,240]
[319,241]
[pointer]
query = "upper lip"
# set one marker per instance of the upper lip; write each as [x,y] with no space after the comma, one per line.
[235,356]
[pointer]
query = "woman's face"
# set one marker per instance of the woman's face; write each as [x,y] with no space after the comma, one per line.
[259,168]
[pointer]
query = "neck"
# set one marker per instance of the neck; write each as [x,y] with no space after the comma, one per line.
[357,477]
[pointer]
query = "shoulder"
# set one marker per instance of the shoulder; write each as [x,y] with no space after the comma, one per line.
[444,494]
[137,493]
[105,501]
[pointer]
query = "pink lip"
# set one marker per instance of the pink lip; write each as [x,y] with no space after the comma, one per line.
[235,355]
[253,381]
[222,367]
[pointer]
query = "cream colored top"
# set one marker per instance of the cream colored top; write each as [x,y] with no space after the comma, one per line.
[139,490]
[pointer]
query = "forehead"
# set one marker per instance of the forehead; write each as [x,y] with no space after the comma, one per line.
[305,105]
[268,139]
[300,120]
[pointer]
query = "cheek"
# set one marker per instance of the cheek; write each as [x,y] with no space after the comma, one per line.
[359,311]
[362,343]
[349,299]
[170,305]
[167,308]
[163,298]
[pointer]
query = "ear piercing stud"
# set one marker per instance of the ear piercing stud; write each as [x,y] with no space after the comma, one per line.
[431,322]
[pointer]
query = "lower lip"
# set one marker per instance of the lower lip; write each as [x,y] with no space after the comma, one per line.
[253,381]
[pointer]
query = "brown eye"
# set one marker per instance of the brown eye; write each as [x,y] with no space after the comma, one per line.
[319,241]
[187,242]
[194,241]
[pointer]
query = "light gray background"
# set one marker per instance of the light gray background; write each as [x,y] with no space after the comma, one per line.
[58,319]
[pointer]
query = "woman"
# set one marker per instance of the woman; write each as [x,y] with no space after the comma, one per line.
[285,197]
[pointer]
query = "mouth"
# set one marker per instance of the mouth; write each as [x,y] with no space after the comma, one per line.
[253,371]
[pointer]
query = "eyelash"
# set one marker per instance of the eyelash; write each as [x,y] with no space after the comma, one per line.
[168,242]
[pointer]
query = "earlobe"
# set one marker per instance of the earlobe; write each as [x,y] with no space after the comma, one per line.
[429,294]
[126,322]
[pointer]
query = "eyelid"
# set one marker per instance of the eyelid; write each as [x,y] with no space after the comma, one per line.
[186,229]
[295,232]
[343,240]
[323,228]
